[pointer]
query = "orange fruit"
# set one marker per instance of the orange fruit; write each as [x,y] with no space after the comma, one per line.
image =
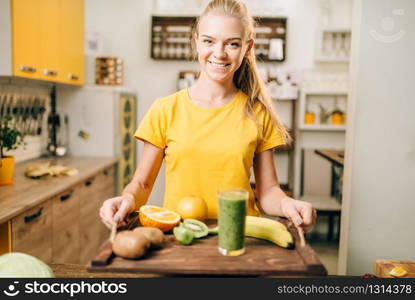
[158,217]
[192,208]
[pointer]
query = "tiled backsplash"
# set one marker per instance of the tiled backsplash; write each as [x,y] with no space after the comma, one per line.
[36,144]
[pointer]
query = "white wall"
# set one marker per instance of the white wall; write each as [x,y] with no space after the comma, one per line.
[125,27]
[380,158]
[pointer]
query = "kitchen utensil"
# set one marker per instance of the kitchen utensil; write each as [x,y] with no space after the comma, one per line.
[113,232]
[300,232]
[42,110]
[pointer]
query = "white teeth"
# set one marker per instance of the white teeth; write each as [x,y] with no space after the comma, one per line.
[219,65]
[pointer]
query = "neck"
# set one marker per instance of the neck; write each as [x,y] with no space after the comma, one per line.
[213,89]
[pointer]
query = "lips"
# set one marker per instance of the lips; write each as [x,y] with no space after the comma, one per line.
[219,65]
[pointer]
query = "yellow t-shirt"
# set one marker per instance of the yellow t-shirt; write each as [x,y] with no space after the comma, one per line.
[206,148]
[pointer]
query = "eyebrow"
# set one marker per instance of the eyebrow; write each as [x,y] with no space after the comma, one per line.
[235,38]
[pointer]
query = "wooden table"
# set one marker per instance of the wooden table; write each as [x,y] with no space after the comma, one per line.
[334,156]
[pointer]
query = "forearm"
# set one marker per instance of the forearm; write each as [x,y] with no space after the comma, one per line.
[270,200]
[145,175]
[138,191]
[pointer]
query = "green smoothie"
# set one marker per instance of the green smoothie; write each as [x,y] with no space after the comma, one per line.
[231,221]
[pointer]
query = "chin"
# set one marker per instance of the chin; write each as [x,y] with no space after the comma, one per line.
[218,76]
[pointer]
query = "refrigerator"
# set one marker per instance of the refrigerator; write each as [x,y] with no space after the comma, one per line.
[101,123]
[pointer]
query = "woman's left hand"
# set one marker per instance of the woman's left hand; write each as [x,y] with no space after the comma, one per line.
[301,213]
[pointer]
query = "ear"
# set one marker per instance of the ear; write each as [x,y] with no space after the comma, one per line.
[250,47]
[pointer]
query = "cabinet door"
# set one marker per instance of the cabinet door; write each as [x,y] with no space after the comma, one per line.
[32,232]
[106,190]
[49,26]
[72,41]
[127,126]
[25,24]
[90,223]
[65,212]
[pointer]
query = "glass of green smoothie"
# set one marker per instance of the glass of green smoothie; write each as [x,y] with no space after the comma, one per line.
[231,220]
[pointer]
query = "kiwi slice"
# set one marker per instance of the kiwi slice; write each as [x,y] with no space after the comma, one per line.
[183,235]
[198,227]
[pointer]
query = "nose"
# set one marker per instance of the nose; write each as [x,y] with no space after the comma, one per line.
[219,51]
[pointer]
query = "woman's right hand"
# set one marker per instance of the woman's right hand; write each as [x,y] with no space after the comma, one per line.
[115,210]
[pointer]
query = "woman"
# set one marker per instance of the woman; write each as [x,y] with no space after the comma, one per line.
[214,132]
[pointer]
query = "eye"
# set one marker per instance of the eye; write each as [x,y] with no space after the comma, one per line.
[234,44]
[206,41]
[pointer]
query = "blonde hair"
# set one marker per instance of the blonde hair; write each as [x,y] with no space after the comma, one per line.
[247,78]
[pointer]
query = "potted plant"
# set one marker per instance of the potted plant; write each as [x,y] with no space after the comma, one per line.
[10,138]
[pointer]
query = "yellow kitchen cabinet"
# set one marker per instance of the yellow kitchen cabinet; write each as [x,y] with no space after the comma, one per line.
[25,37]
[46,40]
[72,41]
[49,35]
[5,237]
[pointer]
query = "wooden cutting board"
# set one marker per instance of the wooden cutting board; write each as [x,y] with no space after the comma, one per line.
[384,266]
[202,258]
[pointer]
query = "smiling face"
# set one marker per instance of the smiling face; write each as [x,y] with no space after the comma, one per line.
[221,46]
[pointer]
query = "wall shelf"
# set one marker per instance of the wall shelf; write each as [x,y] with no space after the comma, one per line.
[325,92]
[333,45]
[324,127]
[170,38]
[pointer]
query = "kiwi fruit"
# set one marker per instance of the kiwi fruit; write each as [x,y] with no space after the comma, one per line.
[154,235]
[130,244]
[198,227]
[183,235]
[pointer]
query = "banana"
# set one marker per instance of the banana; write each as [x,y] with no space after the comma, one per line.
[270,230]
[266,229]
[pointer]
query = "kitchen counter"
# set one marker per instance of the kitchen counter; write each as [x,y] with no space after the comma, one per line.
[26,193]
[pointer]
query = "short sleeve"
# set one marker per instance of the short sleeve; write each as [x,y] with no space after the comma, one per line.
[153,127]
[271,136]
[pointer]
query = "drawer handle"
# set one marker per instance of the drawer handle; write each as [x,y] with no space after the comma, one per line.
[73,77]
[27,69]
[30,218]
[50,72]
[106,172]
[89,182]
[66,197]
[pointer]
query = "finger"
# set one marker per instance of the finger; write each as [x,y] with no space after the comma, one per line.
[122,212]
[101,215]
[108,210]
[306,211]
[294,216]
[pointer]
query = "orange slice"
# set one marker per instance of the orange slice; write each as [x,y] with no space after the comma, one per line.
[158,217]
[398,272]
